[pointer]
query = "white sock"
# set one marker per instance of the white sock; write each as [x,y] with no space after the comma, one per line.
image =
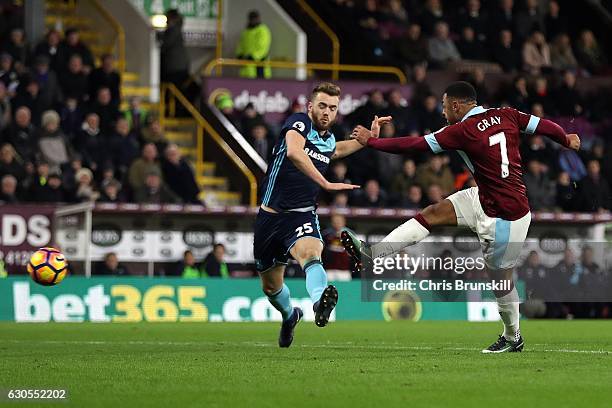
[508,306]
[409,233]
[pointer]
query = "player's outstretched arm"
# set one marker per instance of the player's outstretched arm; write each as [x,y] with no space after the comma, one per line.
[399,145]
[295,153]
[549,129]
[348,147]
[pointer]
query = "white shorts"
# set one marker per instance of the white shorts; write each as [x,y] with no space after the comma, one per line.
[501,240]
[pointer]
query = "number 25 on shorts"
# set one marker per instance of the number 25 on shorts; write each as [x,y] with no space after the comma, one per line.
[304,229]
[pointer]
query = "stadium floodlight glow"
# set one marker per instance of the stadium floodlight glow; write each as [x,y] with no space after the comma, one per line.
[159,21]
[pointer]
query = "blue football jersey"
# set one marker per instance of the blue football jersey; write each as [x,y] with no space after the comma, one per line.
[285,187]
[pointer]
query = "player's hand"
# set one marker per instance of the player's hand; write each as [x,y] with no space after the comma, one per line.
[574,141]
[339,186]
[377,123]
[361,135]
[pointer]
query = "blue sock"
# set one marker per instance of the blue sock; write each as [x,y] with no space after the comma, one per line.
[316,279]
[281,300]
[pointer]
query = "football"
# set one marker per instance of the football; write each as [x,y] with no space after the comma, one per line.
[47,266]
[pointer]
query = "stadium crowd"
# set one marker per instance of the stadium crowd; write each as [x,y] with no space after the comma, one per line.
[63,137]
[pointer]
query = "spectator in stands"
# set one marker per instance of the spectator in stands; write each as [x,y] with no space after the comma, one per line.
[111,193]
[540,188]
[413,200]
[469,46]
[19,49]
[154,191]
[394,20]
[249,118]
[52,143]
[434,194]
[48,188]
[568,100]
[74,80]
[566,193]
[214,264]
[388,164]
[28,94]
[106,76]
[85,188]
[7,72]
[111,266]
[432,15]
[49,48]
[364,114]
[262,141]
[519,97]
[372,196]
[404,179]
[472,16]
[22,134]
[47,80]
[561,55]
[5,108]
[420,85]
[594,190]
[92,144]
[570,162]
[588,53]
[506,54]
[254,45]
[9,164]
[179,176]
[430,117]
[136,116]
[529,19]
[534,148]
[477,79]
[72,46]
[105,109]
[554,22]
[412,48]
[125,147]
[436,171]
[340,200]
[337,261]
[404,117]
[8,190]
[174,56]
[188,268]
[542,95]
[71,116]
[144,165]
[503,18]
[536,54]
[442,49]
[154,133]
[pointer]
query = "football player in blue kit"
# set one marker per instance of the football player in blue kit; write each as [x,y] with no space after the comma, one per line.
[287,223]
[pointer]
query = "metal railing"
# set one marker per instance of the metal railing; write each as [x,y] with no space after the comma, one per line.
[219,62]
[172,95]
[328,31]
[120,34]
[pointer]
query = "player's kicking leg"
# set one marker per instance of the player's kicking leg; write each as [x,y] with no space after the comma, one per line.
[409,233]
[307,251]
[279,296]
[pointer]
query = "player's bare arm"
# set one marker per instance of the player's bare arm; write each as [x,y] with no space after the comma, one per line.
[295,153]
[348,147]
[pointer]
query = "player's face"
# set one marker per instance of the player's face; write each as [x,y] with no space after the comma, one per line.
[323,110]
[449,109]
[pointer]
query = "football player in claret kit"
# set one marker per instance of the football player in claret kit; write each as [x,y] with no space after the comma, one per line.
[287,223]
[497,209]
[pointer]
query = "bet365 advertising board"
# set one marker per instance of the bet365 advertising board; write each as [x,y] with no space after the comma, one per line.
[79,299]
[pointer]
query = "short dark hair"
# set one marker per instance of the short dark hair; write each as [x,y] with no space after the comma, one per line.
[461,90]
[326,88]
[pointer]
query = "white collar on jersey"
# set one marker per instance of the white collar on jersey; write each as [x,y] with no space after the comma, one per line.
[474,111]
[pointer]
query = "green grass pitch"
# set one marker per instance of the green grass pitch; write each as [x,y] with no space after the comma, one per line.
[347,364]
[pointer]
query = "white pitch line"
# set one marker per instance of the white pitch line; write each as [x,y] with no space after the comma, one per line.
[346,345]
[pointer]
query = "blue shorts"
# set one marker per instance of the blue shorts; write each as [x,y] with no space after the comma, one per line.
[275,234]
